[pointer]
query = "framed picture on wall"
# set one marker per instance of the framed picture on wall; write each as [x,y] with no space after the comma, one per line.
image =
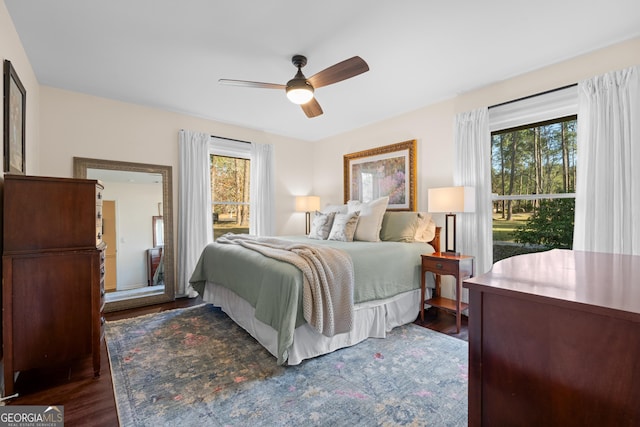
[15,99]
[383,171]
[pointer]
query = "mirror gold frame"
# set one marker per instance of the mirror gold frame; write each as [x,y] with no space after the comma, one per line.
[80,166]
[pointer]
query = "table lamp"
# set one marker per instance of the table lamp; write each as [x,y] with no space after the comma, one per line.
[307,204]
[449,200]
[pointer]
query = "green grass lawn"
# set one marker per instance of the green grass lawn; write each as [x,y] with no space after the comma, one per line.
[503,232]
[503,229]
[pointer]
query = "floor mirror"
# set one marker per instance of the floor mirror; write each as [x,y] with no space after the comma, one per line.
[137,228]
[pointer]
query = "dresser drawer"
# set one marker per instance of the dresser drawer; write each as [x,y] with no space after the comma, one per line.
[439,267]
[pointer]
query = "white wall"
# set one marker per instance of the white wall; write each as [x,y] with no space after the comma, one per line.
[11,49]
[432,126]
[74,124]
[425,125]
[136,204]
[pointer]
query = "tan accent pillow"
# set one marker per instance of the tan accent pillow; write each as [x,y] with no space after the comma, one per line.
[399,226]
[426,230]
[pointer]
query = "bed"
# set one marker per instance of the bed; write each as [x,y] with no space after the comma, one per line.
[264,295]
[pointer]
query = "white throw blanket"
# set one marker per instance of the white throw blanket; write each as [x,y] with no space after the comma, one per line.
[327,275]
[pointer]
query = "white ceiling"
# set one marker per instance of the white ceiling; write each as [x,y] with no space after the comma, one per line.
[170,54]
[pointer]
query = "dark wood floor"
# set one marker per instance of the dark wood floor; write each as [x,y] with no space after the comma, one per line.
[90,401]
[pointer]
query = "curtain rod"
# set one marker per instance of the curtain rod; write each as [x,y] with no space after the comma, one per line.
[230,139]
[534,95]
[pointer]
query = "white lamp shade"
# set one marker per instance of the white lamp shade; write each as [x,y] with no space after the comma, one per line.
[452,199]
[307,203]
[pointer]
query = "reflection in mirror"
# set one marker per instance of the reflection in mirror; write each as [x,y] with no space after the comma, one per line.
[158,231]
[137,229]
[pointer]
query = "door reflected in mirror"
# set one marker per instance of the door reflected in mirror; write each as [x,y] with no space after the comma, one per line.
[139,254]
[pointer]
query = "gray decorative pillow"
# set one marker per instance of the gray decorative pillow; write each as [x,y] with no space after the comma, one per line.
[344,227]
[321,225]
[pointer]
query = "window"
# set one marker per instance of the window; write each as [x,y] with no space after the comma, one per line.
[230,195]
[230,186]
[533,175]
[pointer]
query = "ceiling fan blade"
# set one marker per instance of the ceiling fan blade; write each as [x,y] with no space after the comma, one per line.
[312,108]
[245,83]
[341,71]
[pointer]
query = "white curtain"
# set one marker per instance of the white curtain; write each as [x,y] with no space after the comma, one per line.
[473,169]
[608,169]
[195,229]
[262,190]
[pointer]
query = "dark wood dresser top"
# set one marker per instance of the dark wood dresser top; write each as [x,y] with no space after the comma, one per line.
[595,280]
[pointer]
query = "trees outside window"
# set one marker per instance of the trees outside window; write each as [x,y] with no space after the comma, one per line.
[230,194]
[533,184]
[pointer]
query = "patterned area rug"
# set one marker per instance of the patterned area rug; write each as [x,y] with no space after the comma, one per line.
[196,367]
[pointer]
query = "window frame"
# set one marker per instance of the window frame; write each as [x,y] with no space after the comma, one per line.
[536,110]
[497,198]
[233,149]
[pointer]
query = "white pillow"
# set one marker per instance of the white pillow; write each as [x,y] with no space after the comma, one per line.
[344,227]
[321,225]
[426,230]
[370,220]
[335,208]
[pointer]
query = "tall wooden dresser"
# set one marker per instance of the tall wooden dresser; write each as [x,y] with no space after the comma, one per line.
[53,273]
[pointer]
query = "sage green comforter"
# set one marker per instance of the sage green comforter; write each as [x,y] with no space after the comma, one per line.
[274,288]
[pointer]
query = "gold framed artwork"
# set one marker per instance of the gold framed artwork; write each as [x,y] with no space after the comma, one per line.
[383,171]
[15,99]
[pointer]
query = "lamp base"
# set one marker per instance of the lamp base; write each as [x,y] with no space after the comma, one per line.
[307,223]
[450,233]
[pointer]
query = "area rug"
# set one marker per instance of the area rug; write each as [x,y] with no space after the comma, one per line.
[196,367]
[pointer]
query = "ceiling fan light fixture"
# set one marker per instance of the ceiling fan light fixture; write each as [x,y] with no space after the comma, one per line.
[299,91]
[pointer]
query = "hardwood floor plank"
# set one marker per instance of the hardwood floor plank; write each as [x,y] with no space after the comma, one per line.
[90,401]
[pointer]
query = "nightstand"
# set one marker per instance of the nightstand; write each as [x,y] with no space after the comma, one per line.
[442,264]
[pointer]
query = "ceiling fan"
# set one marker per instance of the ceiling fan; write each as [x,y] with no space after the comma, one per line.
[300,89]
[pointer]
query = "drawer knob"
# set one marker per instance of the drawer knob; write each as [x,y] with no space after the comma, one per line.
[438,265]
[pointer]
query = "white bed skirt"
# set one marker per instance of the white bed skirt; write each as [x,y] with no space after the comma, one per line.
[372,319]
